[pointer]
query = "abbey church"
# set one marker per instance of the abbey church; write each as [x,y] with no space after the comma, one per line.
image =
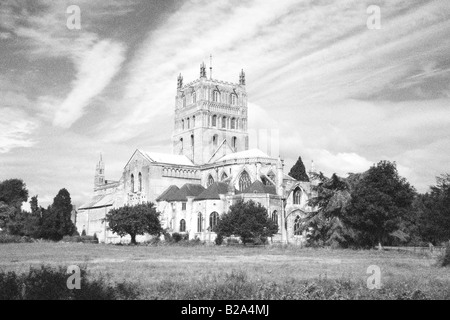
[210,168]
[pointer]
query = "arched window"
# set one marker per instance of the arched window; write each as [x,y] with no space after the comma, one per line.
[216,96]
[297,225]
[297,195]
[214,121]
[215,138]
[233,123]
[192,140]
[193,121]
[188,121]
[244,181]
[194,97]
[223,177]
[210,180]
[213,219]
[199,222]
[233,99]
[234,142]
[182,225]
[275,217]
[224,122]
[140,182]
[132,182]
[182,124]
[181,145]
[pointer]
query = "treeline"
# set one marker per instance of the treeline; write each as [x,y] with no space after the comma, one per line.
[52,223]
[377,207]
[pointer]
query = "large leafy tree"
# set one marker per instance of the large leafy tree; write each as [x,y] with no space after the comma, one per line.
[248,220]
[379,202]
[298,171]
[134,220]
[13,193]
[433,219]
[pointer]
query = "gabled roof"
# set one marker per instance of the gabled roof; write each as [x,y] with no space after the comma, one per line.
[167,158]
[192,189]
[213,191]
[172,193]
[259,187]
[98,202]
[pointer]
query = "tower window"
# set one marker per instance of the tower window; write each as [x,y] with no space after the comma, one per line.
[297,196]
[193,122]
[181,145]
[184,101]
[224,122]
[192,141]
[188,121]
[214,140]
[194,97]
[244,181]
[234,142]
[233,99]
[182,225]
[214,121]
[132,183]
[216,96]
[233,123]
[213,219]
[182,124]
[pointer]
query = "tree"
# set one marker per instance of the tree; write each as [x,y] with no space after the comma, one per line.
[134,220]
[13,193]
[247,220]
[56,219]
[324,224]
[298,171]
[433,218]
[379,202]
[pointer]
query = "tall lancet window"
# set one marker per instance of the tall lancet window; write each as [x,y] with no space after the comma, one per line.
[199,222]
[233,123]
[132,183]
[233,99]
[213,219]
[194,97]
[297,196]
[214,121]
[216,96]
[140,182]
[193,121]
[244,181]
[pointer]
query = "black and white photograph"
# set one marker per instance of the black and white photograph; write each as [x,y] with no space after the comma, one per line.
[224,154]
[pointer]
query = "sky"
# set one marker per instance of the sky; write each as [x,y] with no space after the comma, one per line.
[335,90]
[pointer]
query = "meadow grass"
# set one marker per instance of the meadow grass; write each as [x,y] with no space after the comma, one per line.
[271,272]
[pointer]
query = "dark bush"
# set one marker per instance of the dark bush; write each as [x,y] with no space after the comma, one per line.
[444,258]
[219,239]
[177,237]
[8,238]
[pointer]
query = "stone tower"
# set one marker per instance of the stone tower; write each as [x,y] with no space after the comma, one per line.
[99,179]
[210,118]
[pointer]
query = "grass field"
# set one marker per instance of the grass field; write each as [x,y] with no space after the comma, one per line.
[156,266]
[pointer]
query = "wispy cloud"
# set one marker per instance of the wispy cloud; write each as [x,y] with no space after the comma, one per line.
[15,130]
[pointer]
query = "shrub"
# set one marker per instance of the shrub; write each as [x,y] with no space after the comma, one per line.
[219,239]
[177,237]
[8,238]
[444,258]
[50,283]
